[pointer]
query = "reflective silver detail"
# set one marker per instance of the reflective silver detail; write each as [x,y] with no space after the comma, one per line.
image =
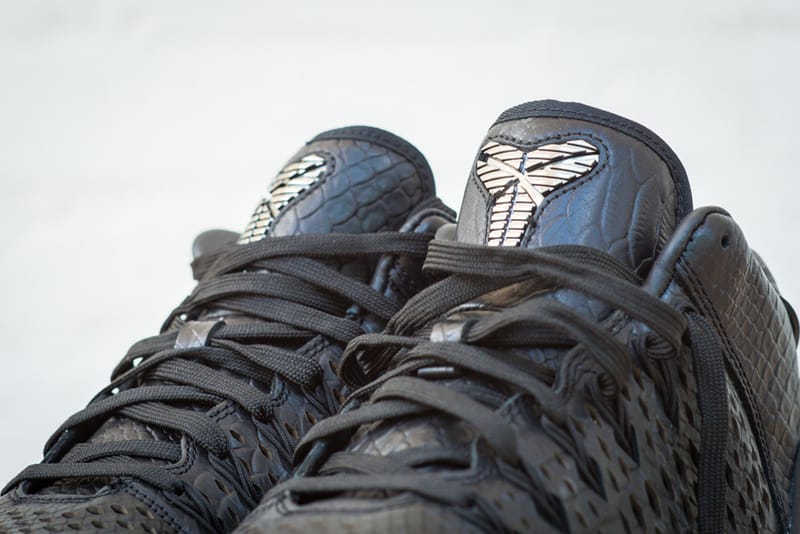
[440,371]
[196,333]
[447,331]
[294,178]
[519,181]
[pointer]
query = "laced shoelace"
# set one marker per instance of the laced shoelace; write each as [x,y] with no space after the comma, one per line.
[469,377]
[294,293]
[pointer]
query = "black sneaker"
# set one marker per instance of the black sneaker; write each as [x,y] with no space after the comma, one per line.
[199,421]
[600,358]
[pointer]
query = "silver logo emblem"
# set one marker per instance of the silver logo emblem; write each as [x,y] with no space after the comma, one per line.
[519,181]
[293,179]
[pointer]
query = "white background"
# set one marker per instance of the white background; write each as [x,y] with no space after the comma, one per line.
[126,127]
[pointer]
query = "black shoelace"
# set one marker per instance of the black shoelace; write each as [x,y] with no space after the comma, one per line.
[291,289]
[471,374]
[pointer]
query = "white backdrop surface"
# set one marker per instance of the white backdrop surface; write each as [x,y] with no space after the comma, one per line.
[126,127]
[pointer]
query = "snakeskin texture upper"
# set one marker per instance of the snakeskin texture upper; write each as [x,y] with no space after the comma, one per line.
[367,187]
[624,206]
[373,182]
[714,266]
[638,469]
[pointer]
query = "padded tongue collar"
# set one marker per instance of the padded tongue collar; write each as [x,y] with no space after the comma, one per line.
[552,173]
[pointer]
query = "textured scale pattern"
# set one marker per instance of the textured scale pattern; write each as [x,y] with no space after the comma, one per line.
[656,492]
[373,191]
[438,431]
[749,506]
[294,178]
[623,184]
[120,513]
[519,181]
[398,515]
[645,481]
[363,186]
[626,205]
[747,307]
[756,335]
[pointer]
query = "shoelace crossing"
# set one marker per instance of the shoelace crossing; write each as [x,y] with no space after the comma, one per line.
[293,293]
[401,373]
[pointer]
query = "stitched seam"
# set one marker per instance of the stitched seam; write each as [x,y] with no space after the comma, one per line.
[184,466]
[664,152]
[569,186]
[484,193]
[17,497]
[607,119]
[662,293]
[681,267]
[386,140]
[162,512]
[741,385]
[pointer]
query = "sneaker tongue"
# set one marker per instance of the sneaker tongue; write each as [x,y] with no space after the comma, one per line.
[551,173]
[351,180]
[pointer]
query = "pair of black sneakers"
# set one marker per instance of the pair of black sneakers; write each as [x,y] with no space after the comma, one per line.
[582,352]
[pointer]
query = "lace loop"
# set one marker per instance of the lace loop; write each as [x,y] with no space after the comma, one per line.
[289,296]
[491,370]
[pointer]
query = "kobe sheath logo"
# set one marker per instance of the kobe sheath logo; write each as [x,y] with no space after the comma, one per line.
[519,181]
[294,178]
